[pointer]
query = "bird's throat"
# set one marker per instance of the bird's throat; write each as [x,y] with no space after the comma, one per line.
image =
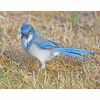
[30,37]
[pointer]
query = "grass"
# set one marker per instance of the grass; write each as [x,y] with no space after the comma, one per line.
[73,29]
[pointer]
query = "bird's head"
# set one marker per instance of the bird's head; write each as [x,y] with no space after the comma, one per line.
[26,31]
[27,34]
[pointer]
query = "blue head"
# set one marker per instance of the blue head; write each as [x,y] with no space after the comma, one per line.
[27,30]
[28,33]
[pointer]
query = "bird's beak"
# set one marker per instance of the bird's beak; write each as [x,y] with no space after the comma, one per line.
[27,37]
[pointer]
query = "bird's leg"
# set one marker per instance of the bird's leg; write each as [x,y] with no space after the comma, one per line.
[42,66]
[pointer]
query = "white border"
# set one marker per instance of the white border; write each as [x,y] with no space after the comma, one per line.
[50,5]
[52,94]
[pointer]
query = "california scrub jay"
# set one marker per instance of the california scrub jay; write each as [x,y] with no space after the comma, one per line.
[44,49]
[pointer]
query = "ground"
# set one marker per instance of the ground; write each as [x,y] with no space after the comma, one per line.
[19,70]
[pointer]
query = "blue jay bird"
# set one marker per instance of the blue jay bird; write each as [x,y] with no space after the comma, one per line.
[44,49]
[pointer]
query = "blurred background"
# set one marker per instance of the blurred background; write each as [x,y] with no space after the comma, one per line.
[72,29]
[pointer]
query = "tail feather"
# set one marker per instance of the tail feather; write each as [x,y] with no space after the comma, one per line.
[74,52]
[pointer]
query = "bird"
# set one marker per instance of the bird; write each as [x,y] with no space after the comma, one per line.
[46,49]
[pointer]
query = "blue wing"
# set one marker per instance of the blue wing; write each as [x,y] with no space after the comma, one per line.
[74,52]
[47,44]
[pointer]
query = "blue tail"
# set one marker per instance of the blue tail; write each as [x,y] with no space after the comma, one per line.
[74,52]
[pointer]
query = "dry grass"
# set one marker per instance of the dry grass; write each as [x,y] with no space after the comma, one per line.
[73,29]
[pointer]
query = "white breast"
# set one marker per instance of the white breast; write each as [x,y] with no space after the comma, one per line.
[29,38]
[42,54]
[26,41]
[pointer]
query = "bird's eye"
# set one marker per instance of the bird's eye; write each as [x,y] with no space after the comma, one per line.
[30,31]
